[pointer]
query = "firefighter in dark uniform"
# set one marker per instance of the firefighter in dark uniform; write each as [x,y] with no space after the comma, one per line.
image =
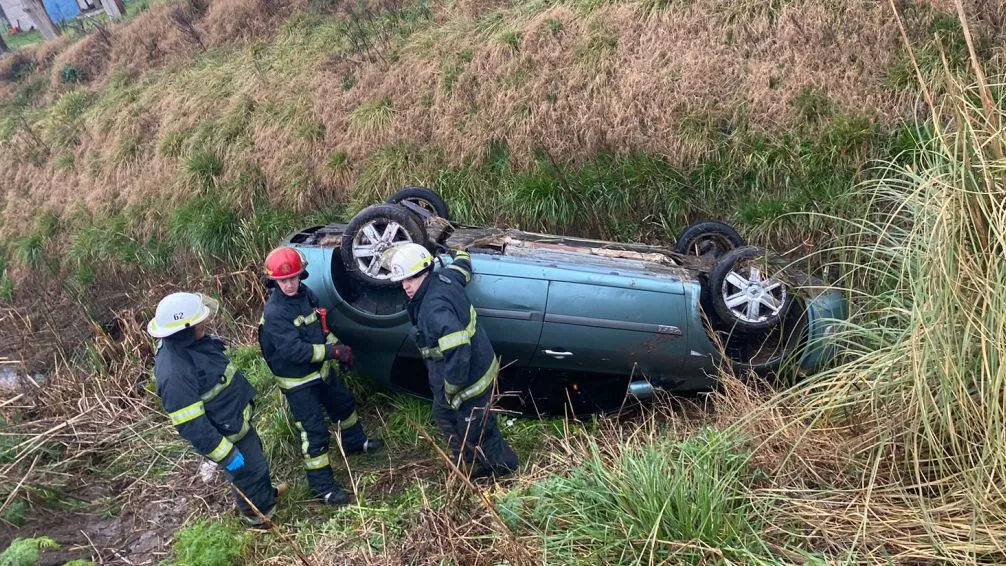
[460,361]
[209,400]
[302,354]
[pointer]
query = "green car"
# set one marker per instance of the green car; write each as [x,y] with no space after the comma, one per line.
[578,324]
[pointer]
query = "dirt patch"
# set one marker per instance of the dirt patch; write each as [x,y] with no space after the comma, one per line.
[140,534]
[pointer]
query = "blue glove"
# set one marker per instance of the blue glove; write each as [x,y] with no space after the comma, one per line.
[237,463]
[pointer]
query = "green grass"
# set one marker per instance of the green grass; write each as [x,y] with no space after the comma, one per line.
[374,524]
[25,551]
[206,225]
[17,512]
[6,285]
[64,124]
[204,167]
[109,239]
[407,417]
[23,39]
[666,500]
[212,543]
[373,114]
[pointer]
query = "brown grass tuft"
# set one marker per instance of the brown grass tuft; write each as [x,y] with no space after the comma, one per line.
[231,22]
[150,40]
[89,56]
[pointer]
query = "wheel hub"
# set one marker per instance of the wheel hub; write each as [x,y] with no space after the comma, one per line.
[371,241]
[751,297]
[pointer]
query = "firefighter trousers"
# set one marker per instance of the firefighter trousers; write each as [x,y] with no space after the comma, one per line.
[309,406]
[253,478]
[472,433]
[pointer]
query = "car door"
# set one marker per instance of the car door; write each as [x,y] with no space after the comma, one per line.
[624,329]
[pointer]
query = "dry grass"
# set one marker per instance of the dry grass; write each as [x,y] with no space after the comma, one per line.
[89,56]
[574,81]
[241,21]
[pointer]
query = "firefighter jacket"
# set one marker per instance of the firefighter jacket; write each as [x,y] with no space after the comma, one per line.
[456,349]
[293,343]
[206,396]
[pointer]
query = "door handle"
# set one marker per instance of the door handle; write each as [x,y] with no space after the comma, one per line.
[558,355]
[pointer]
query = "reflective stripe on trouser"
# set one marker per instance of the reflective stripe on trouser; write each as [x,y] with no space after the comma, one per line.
[245,425]
[310,406]
[287,383]
[253,479]
[476,425]
[474,390]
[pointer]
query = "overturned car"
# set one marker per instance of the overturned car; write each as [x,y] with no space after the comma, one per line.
[577,323]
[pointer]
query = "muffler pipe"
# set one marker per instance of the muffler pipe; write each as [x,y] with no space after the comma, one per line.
[641,389]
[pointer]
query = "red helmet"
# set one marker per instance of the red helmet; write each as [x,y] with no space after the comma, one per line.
[283,263]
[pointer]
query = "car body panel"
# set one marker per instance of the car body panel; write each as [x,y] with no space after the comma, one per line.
[824,312]
[621,310]
[611,329]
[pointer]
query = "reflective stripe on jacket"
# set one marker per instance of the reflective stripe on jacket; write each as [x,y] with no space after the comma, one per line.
[456,349]
[293,343]
[206,396]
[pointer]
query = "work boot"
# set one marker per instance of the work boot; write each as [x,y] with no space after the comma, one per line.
[280,489]
[493,473]
[337,496]
[369,446]
[256,522]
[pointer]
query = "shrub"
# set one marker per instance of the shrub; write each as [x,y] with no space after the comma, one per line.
[70,74]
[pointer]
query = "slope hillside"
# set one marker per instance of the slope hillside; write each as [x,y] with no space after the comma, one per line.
[175,148]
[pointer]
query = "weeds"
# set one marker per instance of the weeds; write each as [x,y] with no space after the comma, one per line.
[207,225]
[65,122]
[25,551]
[204,167]
[372,115]
[667,500]
[211,543]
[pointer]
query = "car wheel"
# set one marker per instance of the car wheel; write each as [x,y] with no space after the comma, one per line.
[375,229]
[424,200]
[747,291]
[708,238]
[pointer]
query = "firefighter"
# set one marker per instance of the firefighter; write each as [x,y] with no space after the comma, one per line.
[460,362]
[209,400]
[302,353]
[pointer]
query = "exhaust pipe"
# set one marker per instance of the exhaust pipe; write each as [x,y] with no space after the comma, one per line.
[641,389]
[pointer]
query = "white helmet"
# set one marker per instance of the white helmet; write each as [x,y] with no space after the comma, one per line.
[179,311]
[406,260]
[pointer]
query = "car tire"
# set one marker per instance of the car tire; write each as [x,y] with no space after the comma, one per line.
[742,298]
[427,200]
[373,230]
[709,238]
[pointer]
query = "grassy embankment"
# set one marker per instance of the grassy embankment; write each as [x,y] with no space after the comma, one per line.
[186,161]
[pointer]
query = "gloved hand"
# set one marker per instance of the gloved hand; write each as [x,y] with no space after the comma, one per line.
[237,463]
[343,353]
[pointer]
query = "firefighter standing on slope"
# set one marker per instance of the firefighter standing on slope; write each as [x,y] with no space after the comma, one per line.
[460,361]
[301,352]
[209,400]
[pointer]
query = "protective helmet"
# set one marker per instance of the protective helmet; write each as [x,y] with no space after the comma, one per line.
[179,311]
[406,260]
[284,262]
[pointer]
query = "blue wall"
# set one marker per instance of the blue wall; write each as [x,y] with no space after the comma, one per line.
[61,10]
